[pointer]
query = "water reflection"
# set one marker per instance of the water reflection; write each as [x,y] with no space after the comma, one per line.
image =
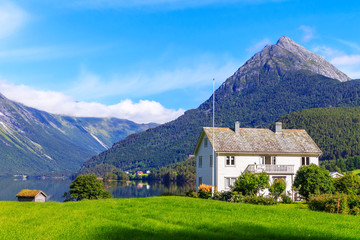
[55,188]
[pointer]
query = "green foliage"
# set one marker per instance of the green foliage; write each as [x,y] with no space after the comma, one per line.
[191,193]
[181,172]
[228,196]
[249,184]
[342,165]
[116,175]
[86,187]
[329,203]
[312,179]
[285,199]
[259,200]
[348,184]
[277,188]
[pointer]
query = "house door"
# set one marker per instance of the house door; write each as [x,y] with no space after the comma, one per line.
[267,160]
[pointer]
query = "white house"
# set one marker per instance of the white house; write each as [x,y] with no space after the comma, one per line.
[280,154]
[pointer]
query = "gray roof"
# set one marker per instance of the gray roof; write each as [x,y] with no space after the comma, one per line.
[255,140]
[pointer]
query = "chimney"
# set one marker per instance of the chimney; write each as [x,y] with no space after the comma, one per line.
[278,127]
[237,127]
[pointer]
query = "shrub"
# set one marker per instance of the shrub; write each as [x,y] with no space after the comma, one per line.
[329,203]
[259,200]
[249,184]
[348,184]
[228,196]
[191,193]
[285,199]
[312,179]
[354,204]
[277,188]
[205,191]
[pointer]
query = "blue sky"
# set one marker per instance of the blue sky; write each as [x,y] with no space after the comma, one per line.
[149,60]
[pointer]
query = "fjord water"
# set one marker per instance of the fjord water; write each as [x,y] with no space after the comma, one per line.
[55,188]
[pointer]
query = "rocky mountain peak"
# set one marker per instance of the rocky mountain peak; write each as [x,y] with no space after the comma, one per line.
[275,61]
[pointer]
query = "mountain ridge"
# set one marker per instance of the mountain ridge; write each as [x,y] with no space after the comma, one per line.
[271,84]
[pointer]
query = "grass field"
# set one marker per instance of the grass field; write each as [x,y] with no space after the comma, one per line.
[170,218]
[357,171]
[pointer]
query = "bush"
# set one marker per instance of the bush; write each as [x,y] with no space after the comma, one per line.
[86,187]
[191,193]
[312,179]
[348,184]
[228,196]
[259,200]
[329,203]
[285,199]
[277,188]
[205,191]
[249,184]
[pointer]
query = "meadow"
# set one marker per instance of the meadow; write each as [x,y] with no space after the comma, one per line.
[170,217]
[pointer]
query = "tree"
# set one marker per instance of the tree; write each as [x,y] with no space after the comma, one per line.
[349,184]
[250,184]
[277,188]
[86,187]
[311,179]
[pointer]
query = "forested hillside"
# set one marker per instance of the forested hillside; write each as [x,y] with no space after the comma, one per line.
[281,79]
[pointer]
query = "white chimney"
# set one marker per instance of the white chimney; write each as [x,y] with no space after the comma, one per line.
[237,127]
[278,127]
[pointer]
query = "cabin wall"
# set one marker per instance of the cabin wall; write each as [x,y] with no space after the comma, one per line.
[205,171]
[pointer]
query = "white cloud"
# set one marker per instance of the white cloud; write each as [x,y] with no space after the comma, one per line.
[55,102]
[347,63]
[140,84]
[258,46]
[308,33]
[346,60]
[12,18]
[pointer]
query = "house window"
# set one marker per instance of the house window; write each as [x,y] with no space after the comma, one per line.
[211,160]
[200,181]
[229,182]
[305,161]
[200,161]
[230,160]
[205,142]
[274,160]
[262,160]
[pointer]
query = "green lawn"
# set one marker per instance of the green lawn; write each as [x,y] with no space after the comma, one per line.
[170,218]
[357,171]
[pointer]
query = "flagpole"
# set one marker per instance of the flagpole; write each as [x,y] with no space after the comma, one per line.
[213,153]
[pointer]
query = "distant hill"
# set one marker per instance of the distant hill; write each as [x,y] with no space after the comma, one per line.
[36,142]
[281,79]
[335,130]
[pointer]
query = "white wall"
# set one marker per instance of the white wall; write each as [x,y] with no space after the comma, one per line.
[205,171]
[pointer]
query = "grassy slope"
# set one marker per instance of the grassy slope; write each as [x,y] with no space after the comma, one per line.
[170,217]
[357,171]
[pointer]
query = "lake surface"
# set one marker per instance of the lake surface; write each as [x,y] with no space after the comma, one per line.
[55,188]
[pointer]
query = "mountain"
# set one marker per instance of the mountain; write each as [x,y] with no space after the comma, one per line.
[36,142]
[336,130]
[282,78]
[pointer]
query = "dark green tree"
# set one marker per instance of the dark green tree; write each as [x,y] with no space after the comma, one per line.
[277,188]
[349,184]
[312,179]
[86,187]
[249,184]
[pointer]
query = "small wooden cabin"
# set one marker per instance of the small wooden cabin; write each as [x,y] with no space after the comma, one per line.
[27,195]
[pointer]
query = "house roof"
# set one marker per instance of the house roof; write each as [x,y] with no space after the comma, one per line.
[29,193]
[255,140]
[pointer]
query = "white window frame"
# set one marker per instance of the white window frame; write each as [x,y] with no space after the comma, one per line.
[305,161]
[231,160]
[229,182]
